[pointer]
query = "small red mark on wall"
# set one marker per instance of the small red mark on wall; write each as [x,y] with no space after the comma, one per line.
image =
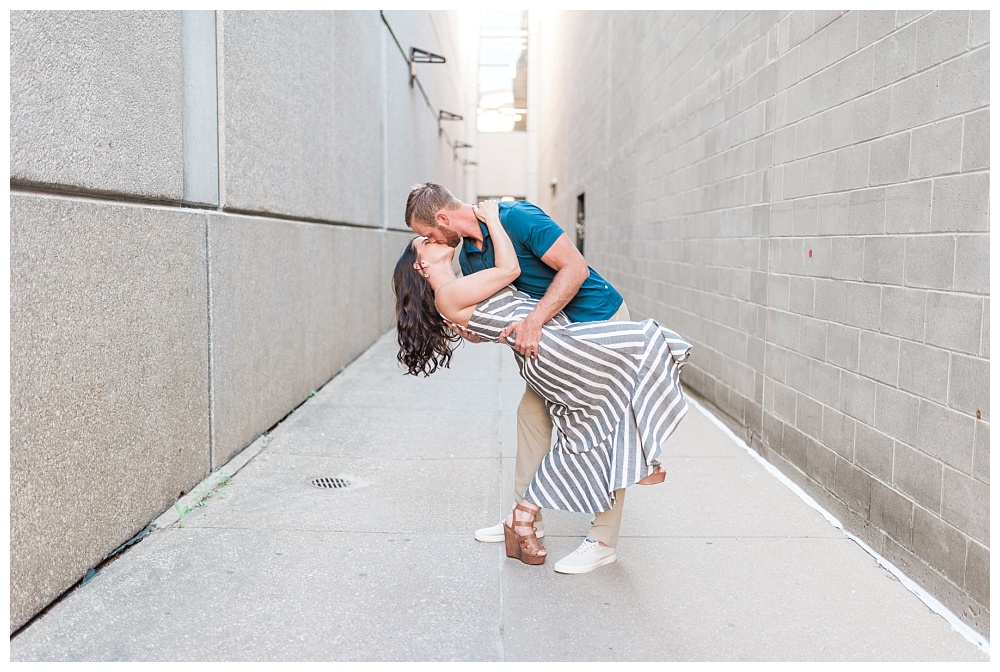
[810,254]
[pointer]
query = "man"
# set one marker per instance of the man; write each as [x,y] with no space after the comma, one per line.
[555,273]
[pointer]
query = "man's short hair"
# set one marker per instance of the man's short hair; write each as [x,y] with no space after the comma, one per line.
[425,200]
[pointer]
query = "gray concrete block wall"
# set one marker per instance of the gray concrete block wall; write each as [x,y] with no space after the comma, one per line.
[805,196]
[200,236]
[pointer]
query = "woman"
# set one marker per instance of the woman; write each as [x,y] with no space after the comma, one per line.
[612,388]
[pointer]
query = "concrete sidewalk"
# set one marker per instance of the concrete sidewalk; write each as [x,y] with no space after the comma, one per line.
[723,562]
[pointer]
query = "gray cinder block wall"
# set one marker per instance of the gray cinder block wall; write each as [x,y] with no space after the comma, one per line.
[805,196]
[205,209]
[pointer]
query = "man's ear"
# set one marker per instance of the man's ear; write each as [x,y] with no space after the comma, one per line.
[441,219]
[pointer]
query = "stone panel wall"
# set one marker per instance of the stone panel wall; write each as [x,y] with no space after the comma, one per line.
[805,196]
[94,113]
[418,144]
[305,304]
[201,234]
[108,381]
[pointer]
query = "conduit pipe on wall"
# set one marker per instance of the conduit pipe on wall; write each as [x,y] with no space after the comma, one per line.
[421,56]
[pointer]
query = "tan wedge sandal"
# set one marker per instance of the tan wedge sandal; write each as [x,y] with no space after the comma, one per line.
[658,476]
[525,548]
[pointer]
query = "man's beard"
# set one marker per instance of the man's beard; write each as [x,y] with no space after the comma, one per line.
[451,239]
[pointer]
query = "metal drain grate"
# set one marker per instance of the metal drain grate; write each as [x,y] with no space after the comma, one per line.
[328,483]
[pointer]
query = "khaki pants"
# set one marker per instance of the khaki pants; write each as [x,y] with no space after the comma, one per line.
[534,440]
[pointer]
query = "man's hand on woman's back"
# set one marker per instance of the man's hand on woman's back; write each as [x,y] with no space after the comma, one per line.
[463,332]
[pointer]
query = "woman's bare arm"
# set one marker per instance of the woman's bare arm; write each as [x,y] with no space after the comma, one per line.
[457,300]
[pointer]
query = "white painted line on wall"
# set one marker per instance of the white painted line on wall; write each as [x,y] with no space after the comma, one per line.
[932,603]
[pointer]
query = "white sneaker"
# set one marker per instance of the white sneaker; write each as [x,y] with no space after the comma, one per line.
[588,556]
[495,533]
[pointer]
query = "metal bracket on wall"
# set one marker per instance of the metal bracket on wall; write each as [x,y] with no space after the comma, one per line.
[421,56]
[444,115]
[457,146]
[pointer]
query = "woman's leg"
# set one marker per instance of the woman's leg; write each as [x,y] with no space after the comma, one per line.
[534,440]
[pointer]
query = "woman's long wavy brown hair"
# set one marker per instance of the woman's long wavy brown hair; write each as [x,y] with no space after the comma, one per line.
[425,343]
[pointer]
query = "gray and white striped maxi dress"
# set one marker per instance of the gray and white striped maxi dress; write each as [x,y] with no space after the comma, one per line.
[613,391]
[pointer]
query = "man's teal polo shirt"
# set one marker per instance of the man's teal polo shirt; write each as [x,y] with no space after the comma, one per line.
[533,232]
